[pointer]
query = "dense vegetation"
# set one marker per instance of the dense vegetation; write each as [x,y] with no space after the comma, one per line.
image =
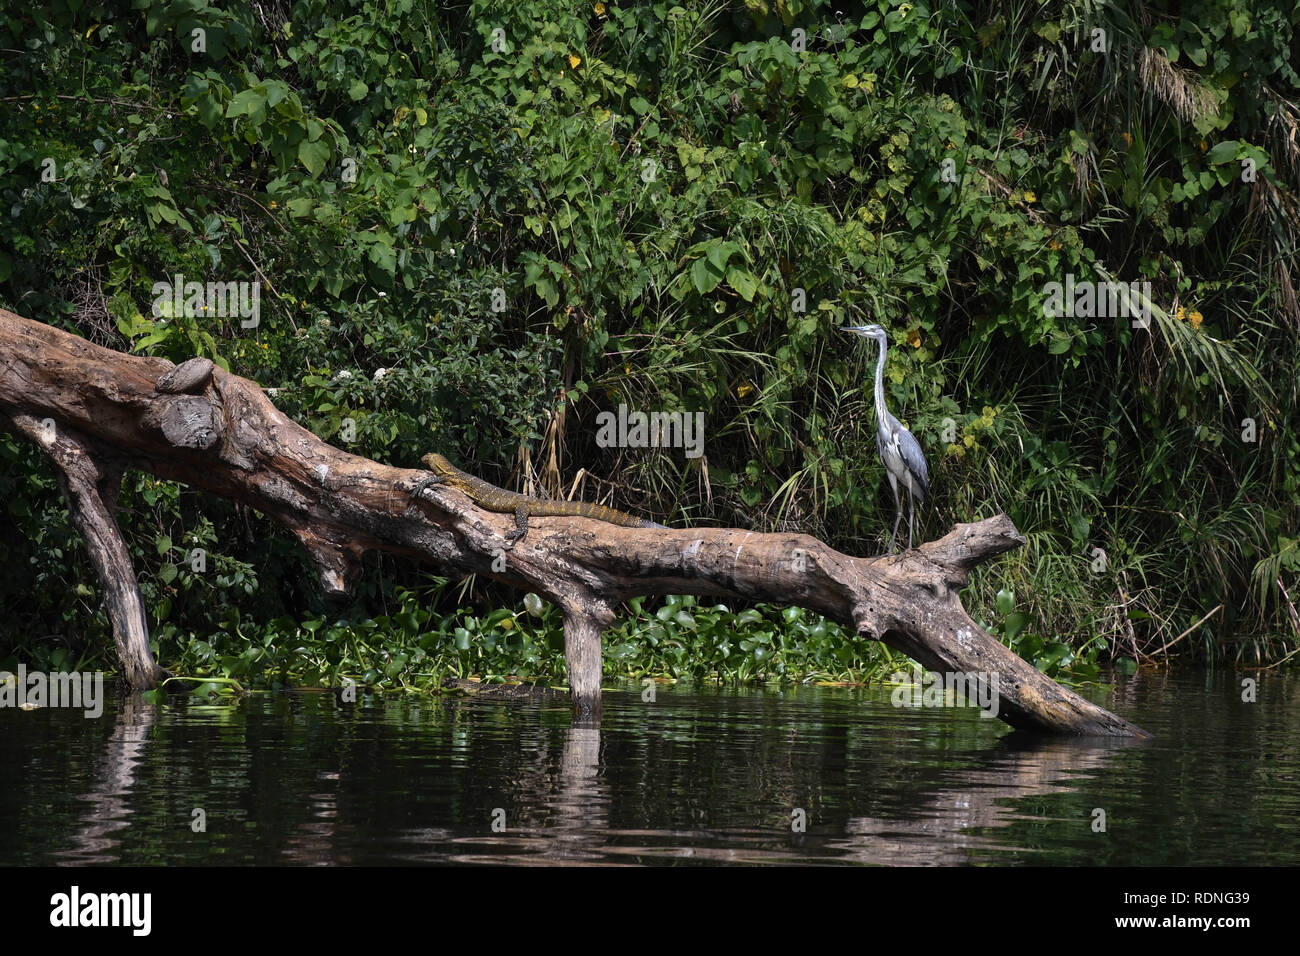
[478,225]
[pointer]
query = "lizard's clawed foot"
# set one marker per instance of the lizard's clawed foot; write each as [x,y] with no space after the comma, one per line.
[431,480]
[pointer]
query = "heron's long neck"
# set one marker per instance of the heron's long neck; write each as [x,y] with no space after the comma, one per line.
[880,386]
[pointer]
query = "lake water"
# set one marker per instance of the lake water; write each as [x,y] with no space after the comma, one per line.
[700,775]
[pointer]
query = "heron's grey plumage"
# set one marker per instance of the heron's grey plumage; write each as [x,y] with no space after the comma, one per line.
[914,458]
[898,449]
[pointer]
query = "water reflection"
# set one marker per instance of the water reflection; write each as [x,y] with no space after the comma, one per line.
[312,842]
[108,809]
[708,776]
[570,817]
[948,824]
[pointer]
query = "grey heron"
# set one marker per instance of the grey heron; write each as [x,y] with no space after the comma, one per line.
[899,451]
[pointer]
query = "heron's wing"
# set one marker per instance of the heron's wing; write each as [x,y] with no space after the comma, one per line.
[913,457]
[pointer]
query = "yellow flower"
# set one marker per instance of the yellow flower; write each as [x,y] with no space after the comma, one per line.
[1197,319]
[743,389]
[914,338]
[574,61]
[1204,146]
[1180,314]
[1029,196]
[600,9]
[272,203]
[1127,138]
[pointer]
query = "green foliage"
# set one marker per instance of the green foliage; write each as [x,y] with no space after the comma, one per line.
[682,639]
[478,226]
[414,649]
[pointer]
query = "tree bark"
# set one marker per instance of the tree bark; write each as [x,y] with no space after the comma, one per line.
[101,411]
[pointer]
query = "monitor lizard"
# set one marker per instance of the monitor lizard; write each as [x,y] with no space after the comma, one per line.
[492,498]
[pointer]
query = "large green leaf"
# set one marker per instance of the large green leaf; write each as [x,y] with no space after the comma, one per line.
[743,281]
[313,156]
[1222,152]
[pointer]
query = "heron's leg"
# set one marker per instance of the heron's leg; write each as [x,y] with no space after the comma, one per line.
[898,512]
[911,518]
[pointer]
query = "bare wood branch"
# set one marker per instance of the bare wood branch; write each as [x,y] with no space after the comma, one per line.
[225,436]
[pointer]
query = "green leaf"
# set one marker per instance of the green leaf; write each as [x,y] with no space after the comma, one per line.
[1056,652]
[1029,646]
[153,338]
[358,90]
[743,281]
[384,257]
[704,277]
[276,90]
[239,103]
[209,110]
[313,156]
[1222,152]
[250,103]
[718,253]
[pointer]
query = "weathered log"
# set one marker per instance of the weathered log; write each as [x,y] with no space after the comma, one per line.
[91,488]
[189,376]
[220,433]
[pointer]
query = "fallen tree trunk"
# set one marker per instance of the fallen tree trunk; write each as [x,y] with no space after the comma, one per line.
[96,411]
